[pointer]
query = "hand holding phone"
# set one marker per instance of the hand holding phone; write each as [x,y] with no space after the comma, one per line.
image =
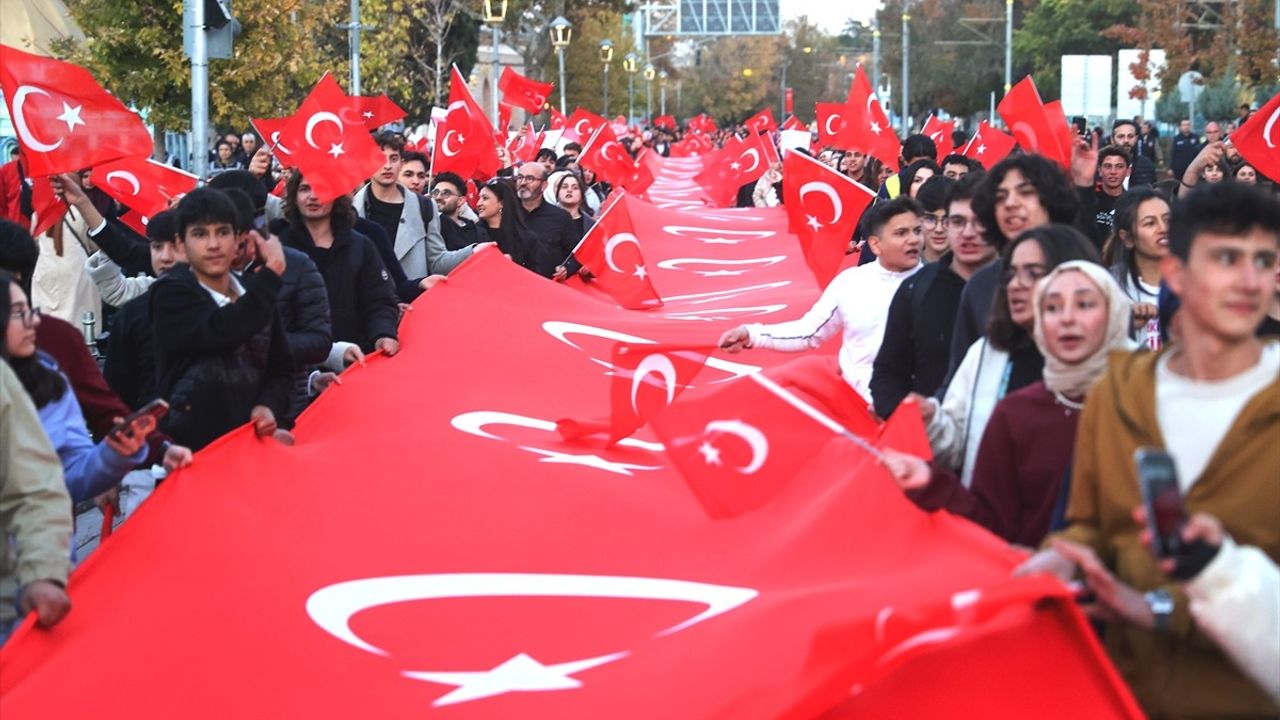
[154,410]
[1166,515]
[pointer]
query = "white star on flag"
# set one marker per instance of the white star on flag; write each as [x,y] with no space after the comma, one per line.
[813,222]
[875,127]
[70,116]
[735,165]
[710,453]
[640,272]
[519,674]
[591,461]
[982,149]
[367,114]
[336,149]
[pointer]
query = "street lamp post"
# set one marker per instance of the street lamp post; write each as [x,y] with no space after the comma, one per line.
[875,58]
[649,74]
[1008,43]
[630,64]
[906,73]
[561,32]
[606,57]
[495,11]
[662,92]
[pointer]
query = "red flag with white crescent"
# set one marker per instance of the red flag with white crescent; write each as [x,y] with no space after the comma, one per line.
[522,92]
[64,120]
[867,127]
[940,133]
[142,184]
[334,155]
[270,129]
[1258,140]
[611,251]
[823,208]
[583,124]
[989,145]
[1033,126]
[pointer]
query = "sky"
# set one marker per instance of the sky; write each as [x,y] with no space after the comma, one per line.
[830,15]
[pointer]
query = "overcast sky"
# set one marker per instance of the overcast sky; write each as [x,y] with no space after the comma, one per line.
[830,15]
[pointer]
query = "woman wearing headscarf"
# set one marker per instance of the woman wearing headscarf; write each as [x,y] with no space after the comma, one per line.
[1020,477]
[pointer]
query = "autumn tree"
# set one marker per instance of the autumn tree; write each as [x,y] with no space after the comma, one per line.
[408,51]
[1050,29]
[135,50]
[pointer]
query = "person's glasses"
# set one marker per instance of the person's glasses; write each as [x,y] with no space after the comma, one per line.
[957,223]
[27,316]
[528,179]
[442,193]
[930,221]
[1026,276]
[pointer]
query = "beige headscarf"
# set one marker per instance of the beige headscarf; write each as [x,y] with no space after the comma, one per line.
[1074,380]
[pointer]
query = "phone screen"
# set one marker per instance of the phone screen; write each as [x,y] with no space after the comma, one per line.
[1166,513]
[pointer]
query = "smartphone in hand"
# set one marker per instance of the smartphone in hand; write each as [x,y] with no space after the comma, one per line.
[157,408]
[1166,513]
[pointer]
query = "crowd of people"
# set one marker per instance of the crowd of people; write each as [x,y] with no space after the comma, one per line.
[1048,323]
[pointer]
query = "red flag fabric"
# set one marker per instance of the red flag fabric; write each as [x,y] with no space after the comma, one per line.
[47,208]
[904,431]
[647,378]
[989,145]
[761,122]
[522,92]
[504,122]
[867,127]
[524,145]
[1032,127]
[738,447]
[824,226]
[940,133]
[768,150]
[665,121]
[830,121]
[270,129]
[377,110]
[583,124]
[606,157]
[619,272]
[558,120]
[464,139]
[64,120]
[143,185]
[557,598]
[702,123]
[1258,141]
[793,123]
[335,156]
[1065,131]
[737,163]
[135,222]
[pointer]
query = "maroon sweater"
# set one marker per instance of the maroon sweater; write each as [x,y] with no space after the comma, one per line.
[1023,459]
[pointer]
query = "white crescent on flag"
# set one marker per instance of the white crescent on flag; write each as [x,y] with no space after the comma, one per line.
[1266,129]
[818,186]
[655,364]
[444,144]
[316,119]
[750,434]
[831,117]
[127,177]
[755,158]
[20,121]
[613,243]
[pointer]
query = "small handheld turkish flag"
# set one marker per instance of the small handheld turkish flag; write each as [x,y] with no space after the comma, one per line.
[647,378]
[608,159]
[737,163]
[64,120]
[142,185]
[762,121]
[1259,142]
[270,129]
[867,127]
[793,122]
[377,110]
[464,139]
[522,92]
[989,145]
[558,120]
[738,447]
[940,133]
[1033,129]
[583,124]
[336,156]
[824,233]
[47,208]
[611,252]
[830,121]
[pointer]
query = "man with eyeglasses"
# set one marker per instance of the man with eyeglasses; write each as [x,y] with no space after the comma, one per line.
[449,191]
[547,224]
[913,357]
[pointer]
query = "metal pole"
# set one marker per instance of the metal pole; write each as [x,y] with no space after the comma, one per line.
[906,72]
[662,99]
[631,98]
[992,115]
[354,31]
[782,94]
[606,89]
[648,109]
[875,58]
[493,86]
[199,91]
[1008,45]
[560,52]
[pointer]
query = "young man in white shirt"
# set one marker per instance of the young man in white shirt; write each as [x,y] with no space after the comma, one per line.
[856,303]
[1212,400]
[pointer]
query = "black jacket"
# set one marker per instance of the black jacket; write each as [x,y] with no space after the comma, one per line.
[971,316]
[457,236]
[215,364]
[914,355]
[303,303]
[1143,172]
[553,231]
[1185,148]
[130,364]
[407,289]
[125,249]
[362,299]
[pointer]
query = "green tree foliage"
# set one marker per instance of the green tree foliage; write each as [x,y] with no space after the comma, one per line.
[584,72]
[135,50]
[408,52]
[1050,29]
[722,87]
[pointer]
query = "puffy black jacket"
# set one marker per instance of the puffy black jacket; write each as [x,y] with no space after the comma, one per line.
[362,298]
[303,304]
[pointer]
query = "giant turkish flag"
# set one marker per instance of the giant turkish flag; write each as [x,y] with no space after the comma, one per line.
[430,550]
